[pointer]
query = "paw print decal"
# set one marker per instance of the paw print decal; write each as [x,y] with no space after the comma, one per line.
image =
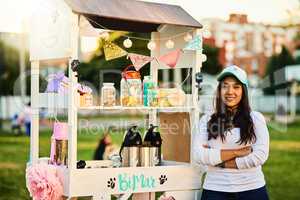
[163,179]
[111,183]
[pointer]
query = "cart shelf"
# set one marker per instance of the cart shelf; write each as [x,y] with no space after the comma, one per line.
[143,108]
[55,100]
[171,176]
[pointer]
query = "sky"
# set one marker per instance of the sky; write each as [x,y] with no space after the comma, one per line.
[266,11]
[13,12]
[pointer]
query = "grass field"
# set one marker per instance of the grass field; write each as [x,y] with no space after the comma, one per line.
[282,170]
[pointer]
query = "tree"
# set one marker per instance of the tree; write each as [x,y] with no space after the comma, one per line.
[212,65]
[6,56]
[297,41]
[9,68]
[275,64]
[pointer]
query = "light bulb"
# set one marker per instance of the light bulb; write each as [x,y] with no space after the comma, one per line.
[127,43]
[105,35]
[188,37]
[170,44]
[151,45]
[203,57]
[206,34]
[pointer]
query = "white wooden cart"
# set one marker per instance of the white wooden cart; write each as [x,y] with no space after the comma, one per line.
[60,24]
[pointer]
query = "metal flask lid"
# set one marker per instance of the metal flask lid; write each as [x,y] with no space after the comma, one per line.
[131,139]
[151,150]
[152,138]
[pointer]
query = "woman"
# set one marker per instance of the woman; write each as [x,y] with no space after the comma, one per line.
[104,148]
[233,143]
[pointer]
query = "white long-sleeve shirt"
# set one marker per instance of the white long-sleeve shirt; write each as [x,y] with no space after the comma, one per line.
[249,174]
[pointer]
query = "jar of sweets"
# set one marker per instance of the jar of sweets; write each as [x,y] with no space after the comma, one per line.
[108,94]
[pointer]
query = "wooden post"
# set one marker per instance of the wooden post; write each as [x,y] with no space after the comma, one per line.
[22,64]
[194,115]
[154,73]
[34,135]
[73,103]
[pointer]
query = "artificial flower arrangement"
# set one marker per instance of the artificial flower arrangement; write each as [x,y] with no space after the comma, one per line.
[59,83]
[44,182]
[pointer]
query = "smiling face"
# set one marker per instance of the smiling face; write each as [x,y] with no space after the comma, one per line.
[231,91]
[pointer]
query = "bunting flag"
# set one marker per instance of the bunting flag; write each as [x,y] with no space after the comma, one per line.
[195,44]
[171,58]
[113,51]
[138,60]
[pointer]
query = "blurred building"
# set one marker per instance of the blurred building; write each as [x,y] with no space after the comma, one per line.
[248,44]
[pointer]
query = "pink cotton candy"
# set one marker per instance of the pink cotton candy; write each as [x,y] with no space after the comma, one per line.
[44,182]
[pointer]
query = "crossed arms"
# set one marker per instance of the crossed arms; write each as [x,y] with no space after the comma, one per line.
[241,158]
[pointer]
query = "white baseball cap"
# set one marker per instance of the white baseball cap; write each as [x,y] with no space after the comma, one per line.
[235,71]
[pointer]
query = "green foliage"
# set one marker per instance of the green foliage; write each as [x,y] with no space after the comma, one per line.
[297,60]
[212,65]
[297,37]
[275,64]
[9,68]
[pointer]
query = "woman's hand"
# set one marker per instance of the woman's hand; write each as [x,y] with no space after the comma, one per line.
[230,164]
[229,154]
[243,151]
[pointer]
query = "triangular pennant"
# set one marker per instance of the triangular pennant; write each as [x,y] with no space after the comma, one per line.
[195,44]
[171,58]
[113,51]
[138,60]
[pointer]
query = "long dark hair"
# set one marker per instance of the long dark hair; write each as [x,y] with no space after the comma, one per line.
[223,119]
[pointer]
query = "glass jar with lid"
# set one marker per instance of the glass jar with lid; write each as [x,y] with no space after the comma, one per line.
[108,94]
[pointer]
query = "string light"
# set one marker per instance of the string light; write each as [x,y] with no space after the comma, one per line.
[206,34]
[170,44]
[104,35]
[203,58]
[127,43]
[188,37]
[151,45]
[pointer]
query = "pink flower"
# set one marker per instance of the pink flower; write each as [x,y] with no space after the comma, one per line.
[44,182]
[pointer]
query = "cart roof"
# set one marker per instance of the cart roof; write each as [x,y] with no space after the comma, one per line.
[131,15]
